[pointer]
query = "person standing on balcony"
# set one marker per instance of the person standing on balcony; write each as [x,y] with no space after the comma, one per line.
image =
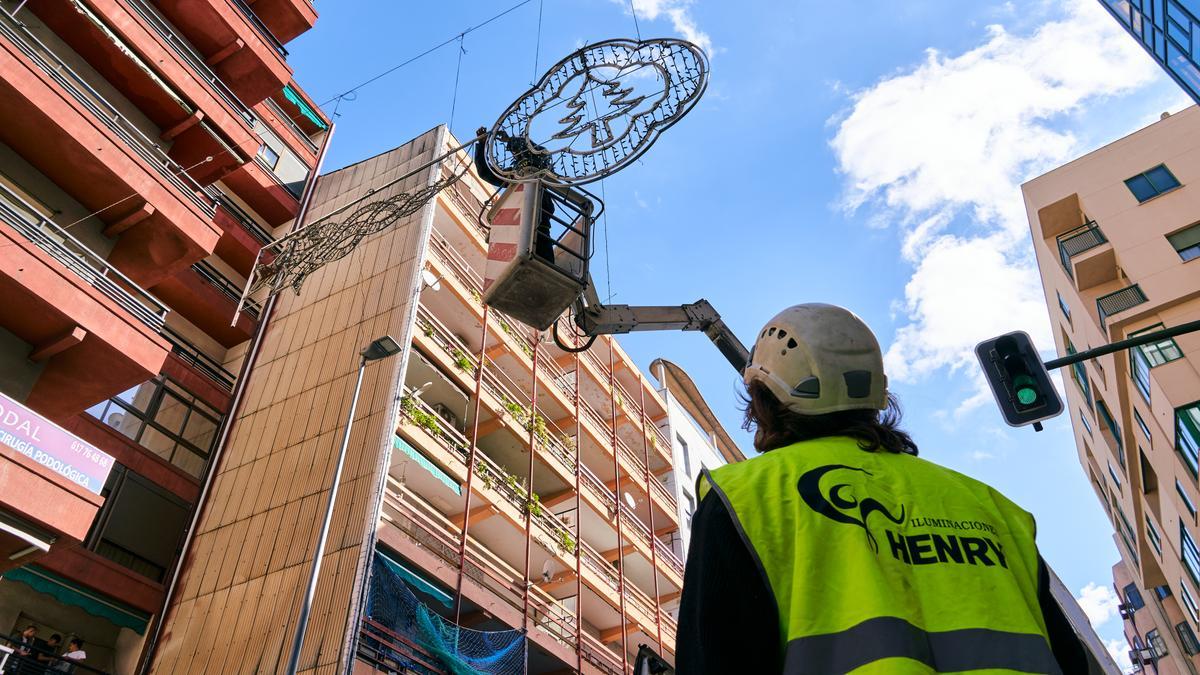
[838,550]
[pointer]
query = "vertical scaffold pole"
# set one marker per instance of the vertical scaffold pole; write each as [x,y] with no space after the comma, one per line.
[462,544]
[650,509]
[612,393]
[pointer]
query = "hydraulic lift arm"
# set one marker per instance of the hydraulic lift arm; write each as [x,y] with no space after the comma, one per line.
[597,319]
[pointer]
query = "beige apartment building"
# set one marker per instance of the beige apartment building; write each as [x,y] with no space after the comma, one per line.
[1115,233]
[566,459]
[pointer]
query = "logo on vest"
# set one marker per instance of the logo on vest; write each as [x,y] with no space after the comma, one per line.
[842,503]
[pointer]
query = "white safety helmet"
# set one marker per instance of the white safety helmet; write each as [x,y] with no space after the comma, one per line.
[819,359]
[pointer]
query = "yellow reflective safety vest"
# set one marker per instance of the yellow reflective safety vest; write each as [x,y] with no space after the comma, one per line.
[887,563]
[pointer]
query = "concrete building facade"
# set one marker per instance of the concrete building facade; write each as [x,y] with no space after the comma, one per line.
[1115,233]
[148,150]
[510,484]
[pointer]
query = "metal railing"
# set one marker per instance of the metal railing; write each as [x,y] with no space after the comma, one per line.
[75,85]
[239,214]
[210,367]
[153,18]
[81,260]
[1083,238]
[225,285]
[1119,301]
[467,203]
[260,27]
[291,124]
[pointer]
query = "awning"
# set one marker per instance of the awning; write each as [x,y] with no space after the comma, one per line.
[291,95]
[68,593]
[416,581]
[422,461]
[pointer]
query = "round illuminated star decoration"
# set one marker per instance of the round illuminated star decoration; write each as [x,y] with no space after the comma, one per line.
[597,110]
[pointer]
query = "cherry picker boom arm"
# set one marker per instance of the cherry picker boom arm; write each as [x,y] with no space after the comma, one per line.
[597,319]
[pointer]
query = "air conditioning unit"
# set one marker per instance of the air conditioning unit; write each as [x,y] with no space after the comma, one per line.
[1141,657]
[444,412]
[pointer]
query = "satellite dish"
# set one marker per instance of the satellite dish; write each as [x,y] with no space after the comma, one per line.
[547,570]
[630,500]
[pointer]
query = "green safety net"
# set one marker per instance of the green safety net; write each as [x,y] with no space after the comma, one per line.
[291,95]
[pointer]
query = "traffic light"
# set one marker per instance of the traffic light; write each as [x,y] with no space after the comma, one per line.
[1018,379]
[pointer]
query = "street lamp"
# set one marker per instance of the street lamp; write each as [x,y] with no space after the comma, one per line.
[380,348]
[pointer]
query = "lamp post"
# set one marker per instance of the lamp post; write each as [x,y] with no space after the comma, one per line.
[380,348]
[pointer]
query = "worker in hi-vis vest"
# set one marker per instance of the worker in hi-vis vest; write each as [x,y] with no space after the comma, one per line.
[837,550]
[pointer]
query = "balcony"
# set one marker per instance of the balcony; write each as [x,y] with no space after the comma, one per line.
[62,126]
[76,310]
[208,298]
[242,237]
[1117,302]
[1086,256]
[138,52]
[285,19]
[234,42]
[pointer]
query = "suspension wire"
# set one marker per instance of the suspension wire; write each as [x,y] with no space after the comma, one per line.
[604,216]
[636,27]
[135,193]
[537,49]
[425,53]
[458,69]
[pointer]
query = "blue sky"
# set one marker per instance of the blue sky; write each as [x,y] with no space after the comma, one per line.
[869,157]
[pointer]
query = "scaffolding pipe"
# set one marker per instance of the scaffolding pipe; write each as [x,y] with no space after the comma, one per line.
[462,544]
[650,509]
[531,420]
[578,524]
[612,393]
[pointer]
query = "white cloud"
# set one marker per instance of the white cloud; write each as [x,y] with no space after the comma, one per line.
[940,150]
[1098,602]
[678,12]
[1119,649]
[980,455]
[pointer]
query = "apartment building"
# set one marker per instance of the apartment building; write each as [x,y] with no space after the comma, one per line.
[1115,233]
[148,149]
[698,441]
[506,483]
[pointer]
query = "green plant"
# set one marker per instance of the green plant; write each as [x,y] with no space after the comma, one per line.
[534,505]
[484,474]
[507,328]
[476,296]
[426,328]
[566,542]
[461,360]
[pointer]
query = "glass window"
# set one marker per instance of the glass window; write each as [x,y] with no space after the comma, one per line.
[1187,242]
[1187,638]
[139,526]
[1126,530]
[1140,372]
[1158,353]
[1133,597]
[1111,424]
[1137,418]
[1113,474]
[1086,425]
[1079,374]
[165,419]
[1187,501]
[1156,643]
[1188,602]
[1187,434]
[687,457]
[1152,183]
[1062,304]
[1188,553]
[691,508]
[1153,535]
[271,158]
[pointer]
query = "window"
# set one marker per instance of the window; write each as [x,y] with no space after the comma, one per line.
[1156,643]
[1186,242]
[1066,309]
[1187,434]
[268,156]
[1083,418]
[1187,638]
[1152,183]
[1188,553]
[1079,374]
[1111,424]
[1140,372]
[1186,596]
[1183,496]
[1126,531]
[1137,418]
[687,457]
[165,419]
[691,508]
[1158,353]
[1154,537]
[1113,474]
[139,526]
[1133,597]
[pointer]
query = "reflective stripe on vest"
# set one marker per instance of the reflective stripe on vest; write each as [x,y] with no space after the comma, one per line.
[874,556]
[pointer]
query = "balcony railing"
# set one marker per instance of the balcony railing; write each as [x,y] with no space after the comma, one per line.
[458,266]
[210,367]
[291,124]
[151,17]
[260,27]
[1081,239]
[239,214]
[81,260]
[75,85]
[595,653]
[1119,301]
[225,285]
[465,200]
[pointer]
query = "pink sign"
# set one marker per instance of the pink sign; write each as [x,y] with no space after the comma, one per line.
[53,447]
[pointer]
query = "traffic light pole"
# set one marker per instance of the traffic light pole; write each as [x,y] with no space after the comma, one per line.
[1138,341]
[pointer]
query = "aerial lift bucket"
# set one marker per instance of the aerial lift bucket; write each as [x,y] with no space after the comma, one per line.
[529,287]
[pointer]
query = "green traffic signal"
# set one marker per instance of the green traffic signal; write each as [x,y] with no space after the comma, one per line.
[1026,389]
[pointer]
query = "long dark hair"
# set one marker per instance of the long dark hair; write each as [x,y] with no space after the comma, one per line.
[776,426]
